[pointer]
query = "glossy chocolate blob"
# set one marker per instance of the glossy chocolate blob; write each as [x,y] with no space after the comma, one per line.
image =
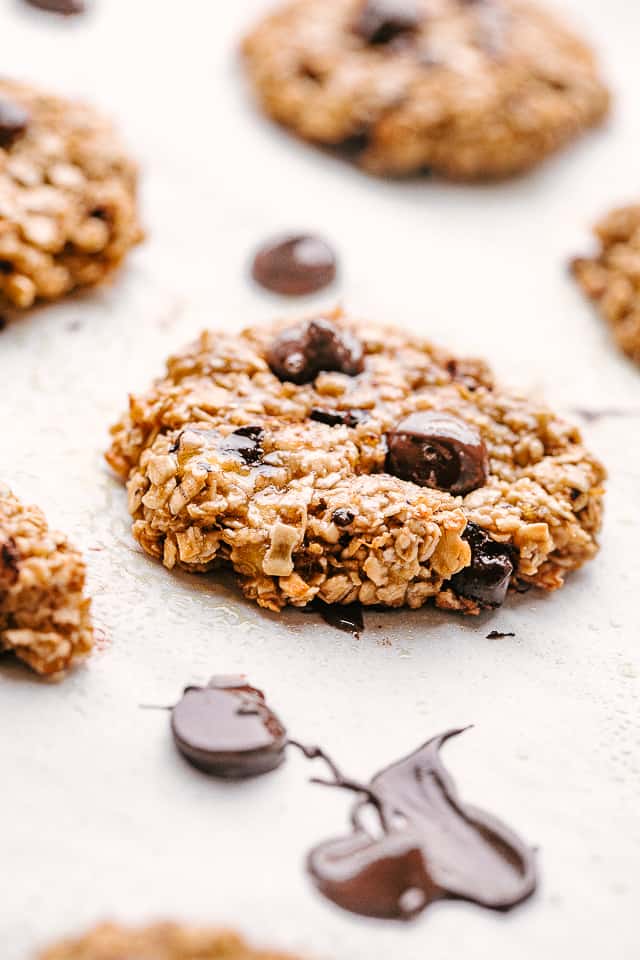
[300,353]
[429,846]
[294,265]
[438,450]
[227,730]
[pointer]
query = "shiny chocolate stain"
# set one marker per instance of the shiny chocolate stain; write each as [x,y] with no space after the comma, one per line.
[428,845]
[227,730]
[294,265]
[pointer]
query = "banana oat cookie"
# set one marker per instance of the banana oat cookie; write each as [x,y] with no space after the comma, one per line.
[68,213]
[163,941]
[345,461]
[467,88]
[44,614]
[612,277]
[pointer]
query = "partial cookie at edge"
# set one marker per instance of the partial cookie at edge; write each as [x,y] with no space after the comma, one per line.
[68,207]
[44,613]
[162,941]
[475,90]
[612,278]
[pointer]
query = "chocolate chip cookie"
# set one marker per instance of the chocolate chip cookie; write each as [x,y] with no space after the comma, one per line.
[44,614]
[342,461]
[163,941]
[467,88]
[68,213]
[612,277]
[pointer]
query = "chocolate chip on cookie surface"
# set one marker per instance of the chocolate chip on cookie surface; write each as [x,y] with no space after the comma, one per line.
[67,197]
[162,941]
[467,89]
[331,509]
[611,278]
[44,614]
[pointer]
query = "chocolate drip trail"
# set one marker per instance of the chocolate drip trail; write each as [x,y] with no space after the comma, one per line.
[430,846]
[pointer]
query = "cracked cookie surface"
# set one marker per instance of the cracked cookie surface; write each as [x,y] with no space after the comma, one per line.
[228,462]
[612,278]
[467,88]
[44,614]
[162,941]
[68,212]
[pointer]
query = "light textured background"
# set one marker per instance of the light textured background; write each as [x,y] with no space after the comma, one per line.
[99,816]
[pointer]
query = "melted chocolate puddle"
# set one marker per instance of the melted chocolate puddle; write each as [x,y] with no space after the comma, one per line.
[430,845]
[347,617]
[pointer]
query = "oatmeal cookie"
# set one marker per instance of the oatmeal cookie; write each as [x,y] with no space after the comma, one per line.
[345,461]
[467,88]
[44,615]
[612,278]
[68,211]
[163,941]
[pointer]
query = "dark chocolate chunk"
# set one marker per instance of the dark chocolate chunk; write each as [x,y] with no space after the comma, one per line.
[227,730]
[9,562]
[246,443]
[339,418]
[14,120]
[343,517]
[429,845]
[343,616]
[300,353]
[437,450]
[67,7]
[383,21]
[294,265]
[493,564]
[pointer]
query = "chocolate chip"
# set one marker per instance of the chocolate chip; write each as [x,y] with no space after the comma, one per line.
[383,21]
[294,265]
[67,7]
[227,730]
[14,120]
[300,353]
[437,450]
[343,616]
[342,517]
[246,443]
[9,562]
[493,564]
[339,418]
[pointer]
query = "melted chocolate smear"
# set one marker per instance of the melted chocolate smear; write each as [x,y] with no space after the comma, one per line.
[497,635]
[346,617]
[227,730]
[294,265]
[246,443]
[339,418]
[431,846]
[66,7]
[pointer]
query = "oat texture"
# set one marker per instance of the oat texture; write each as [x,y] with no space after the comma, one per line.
[197,504]
[163,941]
[480,89]
[44,615]
[612,277]
[68,212]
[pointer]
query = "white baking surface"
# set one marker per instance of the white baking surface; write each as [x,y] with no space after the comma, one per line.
[100,817]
